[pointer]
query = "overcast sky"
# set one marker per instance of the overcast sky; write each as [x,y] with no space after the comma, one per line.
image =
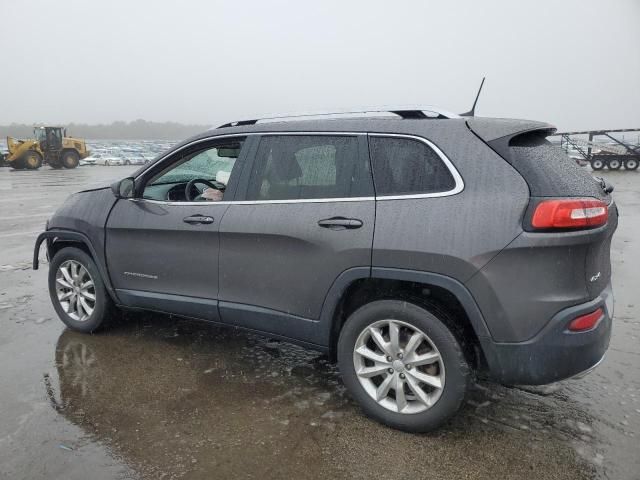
[574,63]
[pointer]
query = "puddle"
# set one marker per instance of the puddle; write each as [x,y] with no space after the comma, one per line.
[187,398]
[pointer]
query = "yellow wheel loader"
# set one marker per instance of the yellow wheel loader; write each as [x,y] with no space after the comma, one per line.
[50,146]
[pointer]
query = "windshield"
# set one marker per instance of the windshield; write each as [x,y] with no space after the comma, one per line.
[39,134]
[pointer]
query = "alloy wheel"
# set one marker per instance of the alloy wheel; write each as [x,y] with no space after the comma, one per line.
[399,366]
[75,290]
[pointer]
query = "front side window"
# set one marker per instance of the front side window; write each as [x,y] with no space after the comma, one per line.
[404,166]
[290,167]
[200,175]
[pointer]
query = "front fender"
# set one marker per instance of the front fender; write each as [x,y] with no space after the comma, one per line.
[57,235]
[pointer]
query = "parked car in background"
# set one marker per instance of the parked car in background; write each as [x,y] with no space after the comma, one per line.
[136,159]
[417,250]
[108,159]
[91,159]
[100,158]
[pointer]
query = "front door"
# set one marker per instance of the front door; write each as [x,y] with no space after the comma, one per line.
[306,215]
[162,247]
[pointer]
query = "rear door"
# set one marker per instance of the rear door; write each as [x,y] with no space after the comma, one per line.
[306,215]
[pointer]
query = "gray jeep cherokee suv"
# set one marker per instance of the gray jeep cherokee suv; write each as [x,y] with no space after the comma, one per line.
[416,250]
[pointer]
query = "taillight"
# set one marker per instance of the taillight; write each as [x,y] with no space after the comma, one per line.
[586,322]
[570,213]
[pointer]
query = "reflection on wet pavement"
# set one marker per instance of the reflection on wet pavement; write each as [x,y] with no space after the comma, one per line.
[161,397]
[183,397]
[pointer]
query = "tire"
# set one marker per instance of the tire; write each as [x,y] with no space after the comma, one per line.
[450,369]
[597,164]
[79,319]
[31,160]
[106,163]
[17,164]
[614,164]
[127,162]
[631,163]
[70,159]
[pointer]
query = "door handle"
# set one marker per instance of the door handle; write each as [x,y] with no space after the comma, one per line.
[198,219]
[340,223]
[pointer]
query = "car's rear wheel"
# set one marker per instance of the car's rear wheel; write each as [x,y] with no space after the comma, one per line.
[77,291]
[403,365]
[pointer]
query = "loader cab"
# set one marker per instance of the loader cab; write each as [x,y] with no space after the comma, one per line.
[50,138]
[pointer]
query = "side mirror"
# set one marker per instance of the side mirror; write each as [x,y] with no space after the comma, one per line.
[125,188]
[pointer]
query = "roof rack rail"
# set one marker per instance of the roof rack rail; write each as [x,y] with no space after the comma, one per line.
[405,112]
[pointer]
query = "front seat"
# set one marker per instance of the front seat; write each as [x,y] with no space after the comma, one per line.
[281,172]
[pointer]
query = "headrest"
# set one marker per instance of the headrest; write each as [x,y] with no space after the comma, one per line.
[286,168]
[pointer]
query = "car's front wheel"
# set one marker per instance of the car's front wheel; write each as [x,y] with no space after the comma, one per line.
[403,365]
[77,291]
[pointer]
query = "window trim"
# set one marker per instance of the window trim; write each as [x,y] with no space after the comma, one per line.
[459,182]
[457,178]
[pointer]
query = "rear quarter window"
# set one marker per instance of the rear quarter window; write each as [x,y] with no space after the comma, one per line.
[548,170]
[404,166]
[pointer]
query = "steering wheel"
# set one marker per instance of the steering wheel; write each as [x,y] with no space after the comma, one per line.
[189,187]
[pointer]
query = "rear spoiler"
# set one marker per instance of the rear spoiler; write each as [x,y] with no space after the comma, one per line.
[498,132]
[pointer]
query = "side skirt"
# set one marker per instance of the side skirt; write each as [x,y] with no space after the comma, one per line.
[263,321]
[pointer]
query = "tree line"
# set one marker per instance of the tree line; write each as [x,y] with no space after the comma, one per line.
[135,130]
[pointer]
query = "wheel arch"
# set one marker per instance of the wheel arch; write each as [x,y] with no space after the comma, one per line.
[59,239]
[440,294]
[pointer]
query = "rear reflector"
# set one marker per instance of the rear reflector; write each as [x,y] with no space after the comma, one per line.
[570,213]
[586,322]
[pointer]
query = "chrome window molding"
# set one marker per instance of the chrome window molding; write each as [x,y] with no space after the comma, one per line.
[459,183]
[259,202]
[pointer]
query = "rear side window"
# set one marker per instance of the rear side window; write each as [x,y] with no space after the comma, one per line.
[404,166]
[291,167]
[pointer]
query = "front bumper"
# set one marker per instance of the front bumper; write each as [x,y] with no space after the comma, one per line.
[555,353]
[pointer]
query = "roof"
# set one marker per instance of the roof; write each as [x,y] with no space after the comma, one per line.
[491,127]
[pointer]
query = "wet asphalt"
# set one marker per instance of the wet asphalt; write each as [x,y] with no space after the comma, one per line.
[161,397]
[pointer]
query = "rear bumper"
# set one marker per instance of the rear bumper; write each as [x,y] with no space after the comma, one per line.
[554,353]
